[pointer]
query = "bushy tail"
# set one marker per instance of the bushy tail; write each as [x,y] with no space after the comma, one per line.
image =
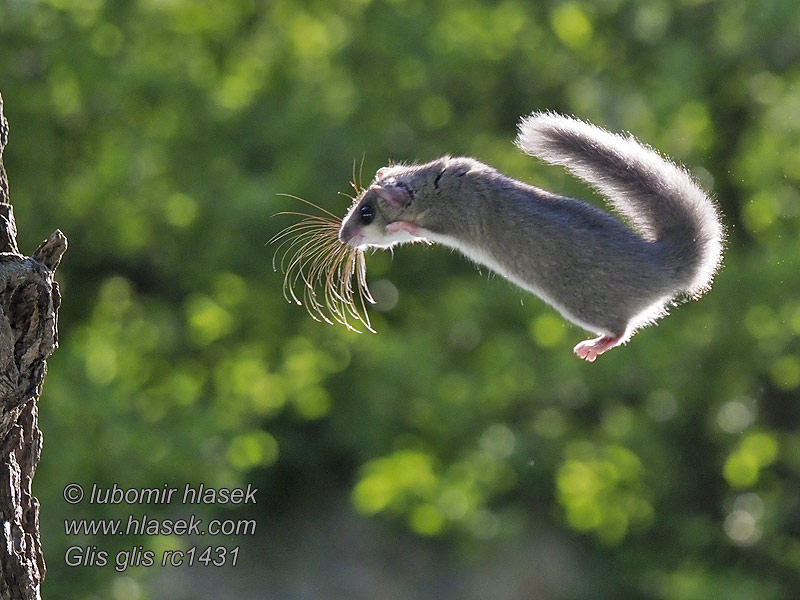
[660,199]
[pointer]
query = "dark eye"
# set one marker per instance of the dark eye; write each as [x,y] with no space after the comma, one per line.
[366,215]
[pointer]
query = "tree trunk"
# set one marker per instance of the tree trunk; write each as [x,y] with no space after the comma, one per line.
[29,301]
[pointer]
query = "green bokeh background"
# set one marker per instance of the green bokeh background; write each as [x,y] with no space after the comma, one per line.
[157,134]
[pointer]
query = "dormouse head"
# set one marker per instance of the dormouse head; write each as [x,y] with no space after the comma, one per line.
[401,203]
[369,222]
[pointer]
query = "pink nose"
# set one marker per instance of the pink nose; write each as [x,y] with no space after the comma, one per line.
[349,237]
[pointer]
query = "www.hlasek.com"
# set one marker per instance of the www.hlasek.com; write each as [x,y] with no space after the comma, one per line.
[142,524]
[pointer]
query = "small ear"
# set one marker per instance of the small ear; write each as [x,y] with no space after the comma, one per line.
[393,194]
[382,173]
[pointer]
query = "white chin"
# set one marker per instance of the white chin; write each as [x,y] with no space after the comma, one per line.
[387,240]
[382,245]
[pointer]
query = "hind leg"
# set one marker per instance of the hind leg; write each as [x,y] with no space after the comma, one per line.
[589,350]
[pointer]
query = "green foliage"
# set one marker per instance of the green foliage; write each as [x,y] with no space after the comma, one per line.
[157,135]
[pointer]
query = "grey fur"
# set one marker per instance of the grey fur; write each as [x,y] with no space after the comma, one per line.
[586,263]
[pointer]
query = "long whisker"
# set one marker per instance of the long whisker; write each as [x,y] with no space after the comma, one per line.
[301,247]
[321,273]
[319,208]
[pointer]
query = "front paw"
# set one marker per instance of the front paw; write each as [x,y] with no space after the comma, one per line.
[403,226]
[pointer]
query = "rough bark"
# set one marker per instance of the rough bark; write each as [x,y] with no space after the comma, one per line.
[29,301]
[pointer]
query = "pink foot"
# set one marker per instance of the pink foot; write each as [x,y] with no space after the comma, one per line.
[397,226]
[589,350]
